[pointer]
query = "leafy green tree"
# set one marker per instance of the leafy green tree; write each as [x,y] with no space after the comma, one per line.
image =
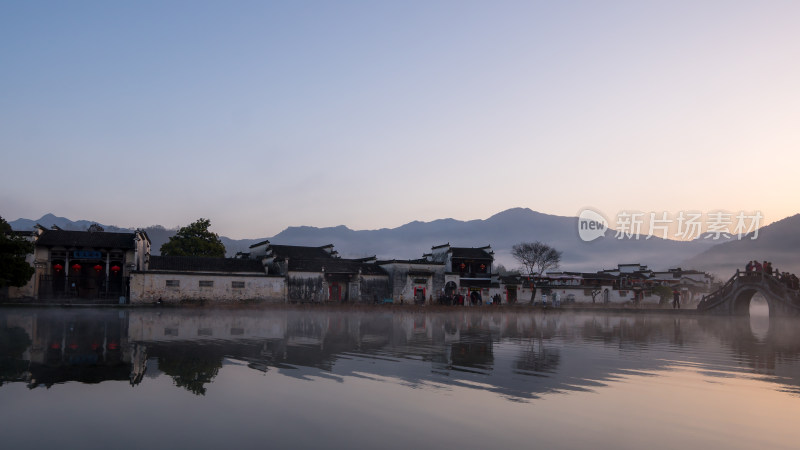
[194,240]
[14,270]
[664,293]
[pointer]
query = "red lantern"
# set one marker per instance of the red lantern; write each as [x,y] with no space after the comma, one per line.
[58,267]
[98,268]
[76,267]
[463,265]
[115,268]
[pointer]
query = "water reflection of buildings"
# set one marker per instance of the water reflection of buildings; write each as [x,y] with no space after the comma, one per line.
[516,355]
[70,346]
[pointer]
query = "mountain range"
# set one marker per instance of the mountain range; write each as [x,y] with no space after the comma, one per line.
[779,242]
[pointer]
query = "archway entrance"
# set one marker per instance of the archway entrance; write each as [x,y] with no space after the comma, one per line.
[450,289]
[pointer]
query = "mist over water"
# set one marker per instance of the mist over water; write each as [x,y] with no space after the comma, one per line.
[759,316]
[471,378]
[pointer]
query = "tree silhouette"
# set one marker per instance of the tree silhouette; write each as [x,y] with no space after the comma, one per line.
[536,257]
[194,240]
[14,270]
[190,367]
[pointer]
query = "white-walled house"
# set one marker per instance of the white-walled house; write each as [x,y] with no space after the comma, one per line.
[415,281]
[176,279]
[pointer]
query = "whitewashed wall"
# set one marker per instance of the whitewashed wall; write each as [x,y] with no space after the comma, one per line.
[148,287]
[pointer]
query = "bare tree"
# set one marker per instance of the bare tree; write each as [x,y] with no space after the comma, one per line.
[536,257]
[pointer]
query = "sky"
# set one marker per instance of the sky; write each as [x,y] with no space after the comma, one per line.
[265,114]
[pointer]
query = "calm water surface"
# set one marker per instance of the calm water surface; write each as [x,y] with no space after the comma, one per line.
[472,378]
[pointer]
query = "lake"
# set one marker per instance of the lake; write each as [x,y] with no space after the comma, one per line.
[394,378]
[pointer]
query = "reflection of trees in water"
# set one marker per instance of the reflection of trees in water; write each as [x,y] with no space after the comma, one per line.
[13,343]
[473,350]
[487,347]
[190,366]
[639,330]
[538,359]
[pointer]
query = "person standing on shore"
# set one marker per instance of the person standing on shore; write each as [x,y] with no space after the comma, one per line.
[676,300]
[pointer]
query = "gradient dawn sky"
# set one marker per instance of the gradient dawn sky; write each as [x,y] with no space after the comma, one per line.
[262,115]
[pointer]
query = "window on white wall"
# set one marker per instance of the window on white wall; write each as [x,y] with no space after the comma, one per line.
[237,284]
[206,283]
[173,283]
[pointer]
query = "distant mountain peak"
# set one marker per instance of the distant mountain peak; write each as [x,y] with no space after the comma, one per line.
[778,242]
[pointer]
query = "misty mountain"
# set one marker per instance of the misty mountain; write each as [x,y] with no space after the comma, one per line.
[501,231]
[778,242]
[158,234]
[48,220]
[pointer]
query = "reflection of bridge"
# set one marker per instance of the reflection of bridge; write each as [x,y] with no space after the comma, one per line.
[733,298]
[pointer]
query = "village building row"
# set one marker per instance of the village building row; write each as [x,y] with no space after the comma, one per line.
[101,266]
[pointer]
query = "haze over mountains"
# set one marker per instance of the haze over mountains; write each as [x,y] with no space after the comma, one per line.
[778,242]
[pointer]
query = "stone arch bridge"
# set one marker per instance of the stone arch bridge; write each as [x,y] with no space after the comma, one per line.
[733,298]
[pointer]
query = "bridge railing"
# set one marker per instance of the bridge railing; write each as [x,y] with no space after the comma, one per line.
[711,299]
[780,289]
[768,281]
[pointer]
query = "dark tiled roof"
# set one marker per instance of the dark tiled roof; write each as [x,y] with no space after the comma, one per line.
[259,243]
[472,253]
[599,276]
[637,274]
[510,279]
[97,239]
[199,264]
[334,265]
[421,261]
[419,272]
[296,251]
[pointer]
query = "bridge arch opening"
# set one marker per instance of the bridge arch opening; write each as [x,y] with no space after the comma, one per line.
[759,316]
[751,302]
